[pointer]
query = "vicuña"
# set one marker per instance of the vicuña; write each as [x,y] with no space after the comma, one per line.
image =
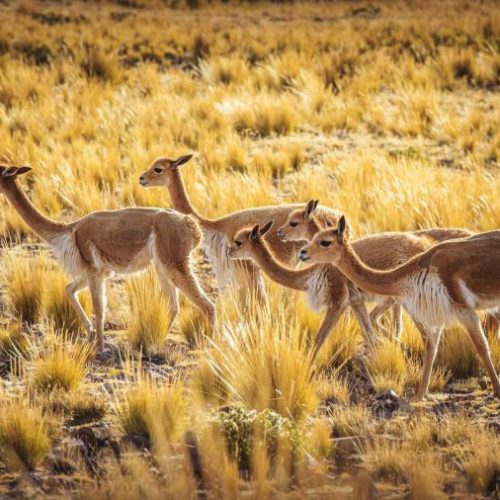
[447,283]
[219,232]
[116,241]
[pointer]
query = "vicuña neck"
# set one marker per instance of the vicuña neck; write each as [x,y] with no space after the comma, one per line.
[291,278]
[387,282]
[41,225]
[182,203]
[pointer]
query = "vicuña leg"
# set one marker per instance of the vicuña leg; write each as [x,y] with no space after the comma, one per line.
[170,292]
[378,310]
[331,318]
[397,320]
[397,316]
[98,293]
[431,338]
[72,290]
[473,325]
[363,318]
[184,279]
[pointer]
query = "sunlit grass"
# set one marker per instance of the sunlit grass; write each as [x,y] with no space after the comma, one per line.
[386,111]
[149,314]
[61,363]
[24,278]
[387,366]
[152,411]
[24,435]
[13,340]
[265,364]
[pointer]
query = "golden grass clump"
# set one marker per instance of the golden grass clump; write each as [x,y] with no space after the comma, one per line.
[387,366]
[426,478]
[149,314]
[458,355]
[61,363]
[24,278]
[152,411]
[85,406]
[24,435]
[388,459]
[13,340]
[265,363]
[480,461]
[265,119]
[193,324]
[332,387]
[350,421]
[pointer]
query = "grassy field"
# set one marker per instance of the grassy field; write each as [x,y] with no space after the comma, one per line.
[388,111]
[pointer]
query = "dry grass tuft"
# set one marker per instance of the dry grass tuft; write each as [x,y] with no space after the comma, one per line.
[25,279]
[155,412]
[193,324]
[86,407]
[350,421]
[480,460]
[426,478]
[387,366]
[265,364]
[149,314]
[12,339]
[458,355]
[61,363]
[24,435]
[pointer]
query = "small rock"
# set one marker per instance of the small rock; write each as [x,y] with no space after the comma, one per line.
[139,442]
[386,403]
[60,464]
[96,438]
[329,404]
[156,359]
[494,484]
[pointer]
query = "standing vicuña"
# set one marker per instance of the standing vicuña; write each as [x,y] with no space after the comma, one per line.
[324,284]
[116,241]
[219,232]
[303,224]
[447,283]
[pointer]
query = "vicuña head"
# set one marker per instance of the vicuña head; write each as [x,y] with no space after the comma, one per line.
[161,171]
[240,248]
[326,245]
[300,224]
[8,174]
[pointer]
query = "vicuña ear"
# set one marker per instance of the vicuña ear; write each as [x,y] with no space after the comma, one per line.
[23,170]
[266,227]
[254,233]
[341,227]
[309,209]
[181,160]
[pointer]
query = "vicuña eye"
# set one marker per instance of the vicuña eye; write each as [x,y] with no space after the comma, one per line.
[237,243]
[294,224]
[325,243]
[158,170]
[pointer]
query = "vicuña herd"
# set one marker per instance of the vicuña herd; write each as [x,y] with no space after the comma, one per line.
[438,276]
